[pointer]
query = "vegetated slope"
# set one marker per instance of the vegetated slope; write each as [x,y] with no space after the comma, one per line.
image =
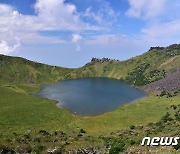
[143,69]
[19,70]
[79,141]
[138,71]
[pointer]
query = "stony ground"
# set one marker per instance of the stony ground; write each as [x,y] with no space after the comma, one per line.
[170,83]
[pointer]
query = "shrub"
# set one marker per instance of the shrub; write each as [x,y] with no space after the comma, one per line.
[150,124]
[163,93]
[174,107]
[132,127]
[37,140]
[116,149]
[55,133]
[79,135]
[132,142]
[158,123]
[39,149]
[166,117]
[177,147]
[43,132]
[82,131]
[5,149]
[177,115]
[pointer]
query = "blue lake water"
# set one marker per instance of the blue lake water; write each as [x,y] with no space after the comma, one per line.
[91,96]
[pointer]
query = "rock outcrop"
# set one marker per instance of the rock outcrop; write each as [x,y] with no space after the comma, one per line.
[170,83]
[103,60]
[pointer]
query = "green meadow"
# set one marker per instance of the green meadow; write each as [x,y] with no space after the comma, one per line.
[20,112]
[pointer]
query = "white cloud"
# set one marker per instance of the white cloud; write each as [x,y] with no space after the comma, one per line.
[50,15]
[162,20]
[163,33]
[5,9]
[76,38]
[146,8]
[105,16]
[55,14]
[104,40]
[36,38]
[162,24]
[6,48]
[114,40]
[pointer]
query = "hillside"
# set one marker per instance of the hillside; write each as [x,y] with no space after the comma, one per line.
[20,70]
[141,70]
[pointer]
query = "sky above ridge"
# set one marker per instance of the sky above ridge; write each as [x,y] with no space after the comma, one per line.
[70,32]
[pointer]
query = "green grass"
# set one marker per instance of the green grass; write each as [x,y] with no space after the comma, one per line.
[171,63]
[20,112]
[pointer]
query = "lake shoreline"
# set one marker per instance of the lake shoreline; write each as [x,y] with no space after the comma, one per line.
[91,91]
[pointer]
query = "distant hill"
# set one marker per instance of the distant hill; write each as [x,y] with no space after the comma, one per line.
[20,70]
[141,70]
[138,71]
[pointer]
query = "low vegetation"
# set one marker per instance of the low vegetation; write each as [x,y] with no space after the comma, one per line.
[34,124]
[140,70]
[79,141]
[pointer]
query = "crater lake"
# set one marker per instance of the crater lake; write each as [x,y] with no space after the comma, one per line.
[91,96]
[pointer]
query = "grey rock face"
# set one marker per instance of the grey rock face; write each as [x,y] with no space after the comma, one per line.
[170,83]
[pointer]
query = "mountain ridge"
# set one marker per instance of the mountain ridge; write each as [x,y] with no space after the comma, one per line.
[141,70]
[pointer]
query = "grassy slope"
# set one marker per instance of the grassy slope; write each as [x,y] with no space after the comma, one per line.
[19,70]
[138,71]
[20,112]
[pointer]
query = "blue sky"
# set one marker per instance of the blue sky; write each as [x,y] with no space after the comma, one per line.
[70,32]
